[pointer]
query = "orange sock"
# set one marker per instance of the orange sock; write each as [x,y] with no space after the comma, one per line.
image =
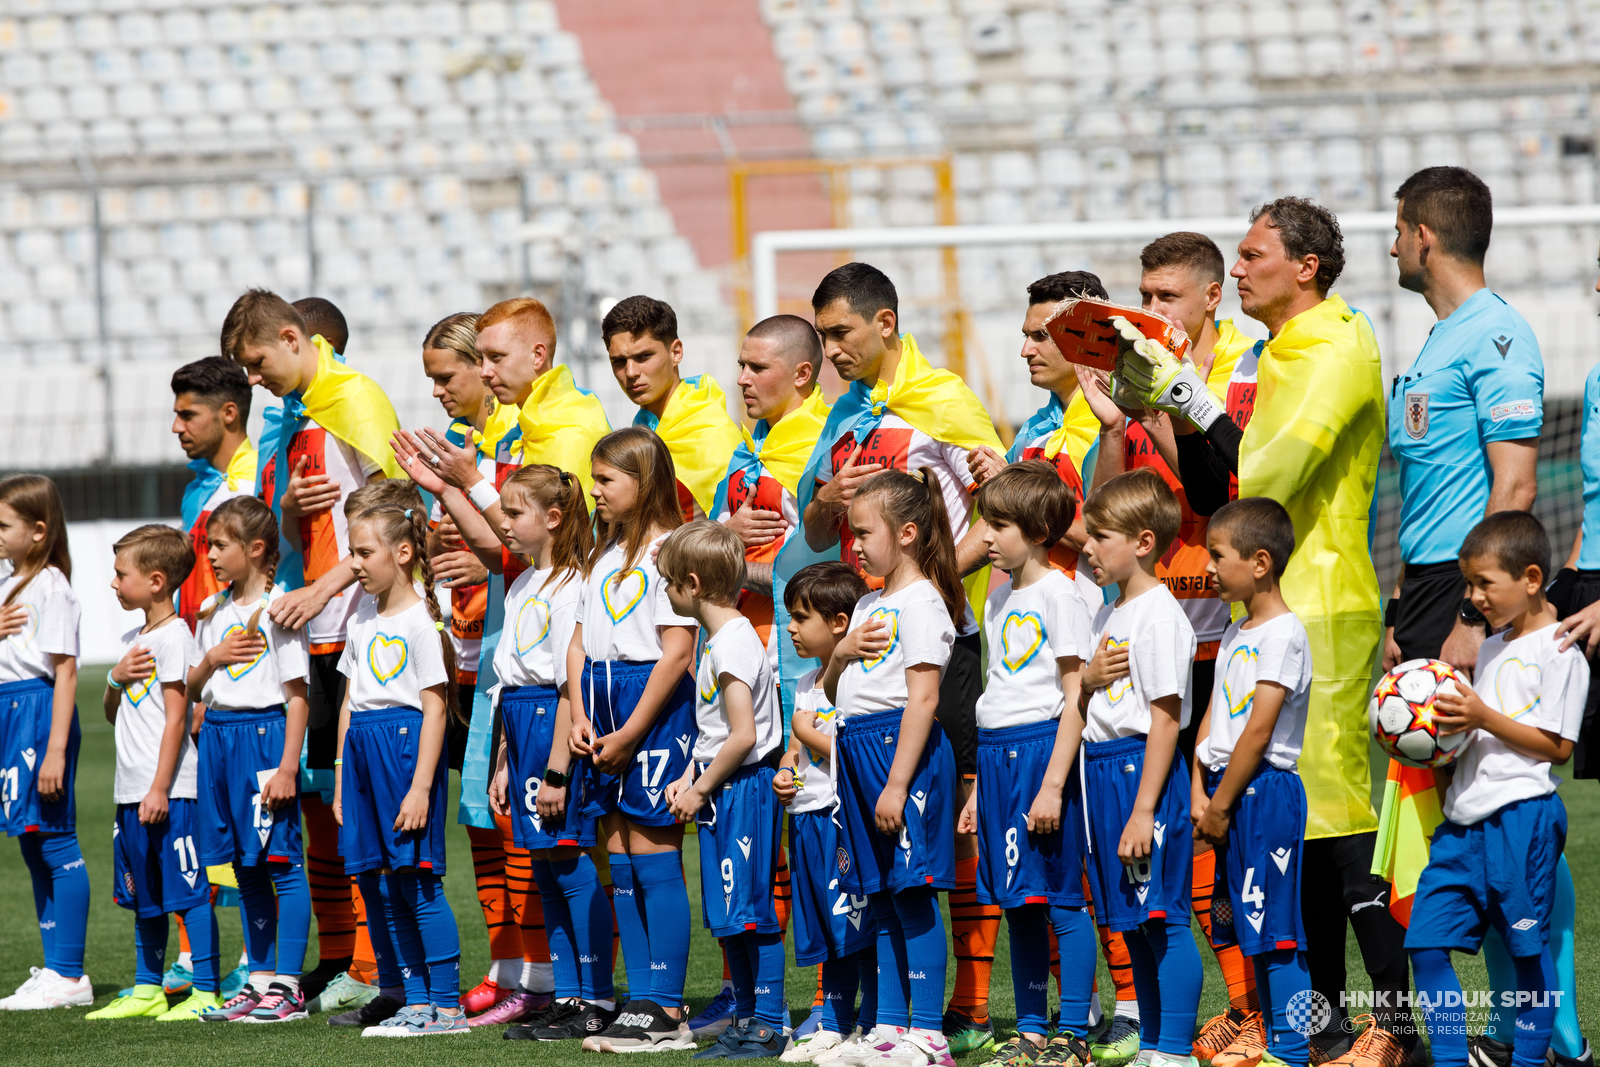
[331,888]
[526,907]
[1237,971]
[363,964]
[819,1001]
[974,928]
[494,900]
[183,933]
[1115,951]
[782,895]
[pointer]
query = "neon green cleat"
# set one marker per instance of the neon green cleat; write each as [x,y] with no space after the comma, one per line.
[192,1007]
[966,1035]
[1119,1044]
[146,1001]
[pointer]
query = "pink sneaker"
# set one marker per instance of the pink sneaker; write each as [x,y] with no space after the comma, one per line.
[516,1008]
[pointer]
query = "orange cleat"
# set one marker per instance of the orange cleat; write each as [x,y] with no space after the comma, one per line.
[483,996]
[1247,1046]
[1217,1034]
[1373,1047]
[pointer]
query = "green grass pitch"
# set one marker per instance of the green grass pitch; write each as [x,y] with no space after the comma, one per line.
[42,1039]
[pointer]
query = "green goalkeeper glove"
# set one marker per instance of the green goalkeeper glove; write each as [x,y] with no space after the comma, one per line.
[1162,382]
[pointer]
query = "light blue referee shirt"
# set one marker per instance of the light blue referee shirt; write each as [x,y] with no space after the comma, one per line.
[1479,378]
[1589,456]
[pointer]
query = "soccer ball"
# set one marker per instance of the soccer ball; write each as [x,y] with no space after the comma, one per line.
[1401,713]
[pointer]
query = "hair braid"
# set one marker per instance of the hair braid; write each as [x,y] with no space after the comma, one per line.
[419,539]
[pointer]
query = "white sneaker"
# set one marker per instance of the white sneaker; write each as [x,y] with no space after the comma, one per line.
[831,1056]
[868,1047]
[26,987]
[917,1048]
[809,1047]
[50,990]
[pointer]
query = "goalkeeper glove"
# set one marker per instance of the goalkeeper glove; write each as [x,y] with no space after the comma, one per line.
[1161,381]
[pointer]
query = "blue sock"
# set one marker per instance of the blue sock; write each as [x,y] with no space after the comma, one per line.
[658,881]
[1499,1020]
[1166,978]
[1075,937]
[373,888]
[1536,975]
[1030,967]
[56,866]
[766,953]
[149,949]
[840,977]
[258,907]
[867,1010]
[632,926]
[437,935]
[558,932]
[1281,974]
[294,915]
[742,973]
[1567,1037]
[894,994]
[1447,1025]
[591,924]
[204,946]
[407,939]
[927,954]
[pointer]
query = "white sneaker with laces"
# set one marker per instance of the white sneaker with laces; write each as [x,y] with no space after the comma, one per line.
[871,1046]
[51,990]
[26,987]
[831,1056]
[809,1047]
[917,1048]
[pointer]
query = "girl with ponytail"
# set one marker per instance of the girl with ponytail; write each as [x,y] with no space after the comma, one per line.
[895,768]
[391,769]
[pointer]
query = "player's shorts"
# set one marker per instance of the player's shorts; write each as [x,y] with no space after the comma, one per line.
[1430,604]
[1154,888]
[1501,871]
[25,714]
[529,716]
[959,689]
[156,869]
[325,690]
[924,854]
[739,830]
[1016,867]
[611,690]
[235,747]
[1258,871]
[828,922]
[380,759]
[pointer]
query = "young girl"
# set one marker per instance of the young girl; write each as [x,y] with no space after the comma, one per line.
[39,734]
[545,521]
[895,767]
[633,726]
[391,770]
[252,681]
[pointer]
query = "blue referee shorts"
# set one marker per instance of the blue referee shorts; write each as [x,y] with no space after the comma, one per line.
[528,713]
[156,870]
[1258,871]
[1157,887]
[828,922]
[611,690]
[924,853]
[739,830]
[25,714]
[1016,867]
[235,747]
[380,759]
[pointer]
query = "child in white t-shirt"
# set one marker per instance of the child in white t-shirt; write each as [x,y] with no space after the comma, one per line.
[158,869]
[1493,861]
[727,788]
[1247,801]
[1026,809]
[1134,699]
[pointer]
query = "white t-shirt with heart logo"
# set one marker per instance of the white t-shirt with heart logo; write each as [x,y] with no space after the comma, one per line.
[391,660]
[142,715]
[813,774]
[51,627]
[1160,644]
[258,684]
[1277,651]
[1529,680]
[537,629]
[622,611]
[919,631]
[736,650]
[1028,631]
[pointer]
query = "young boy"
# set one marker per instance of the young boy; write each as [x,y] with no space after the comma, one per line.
[1493,859]
[157,867]
[1247,800]
[832,930]
[1134,697]
[1026,810]
[727,786]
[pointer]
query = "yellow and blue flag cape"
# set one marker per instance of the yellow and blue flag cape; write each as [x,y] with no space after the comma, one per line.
[698,431]
[559,424]
[207,480]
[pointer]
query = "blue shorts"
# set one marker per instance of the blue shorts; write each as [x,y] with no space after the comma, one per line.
[1258,871]
[871,862]
[1501,871]
[1154,888]
[380,759]
[828,923]
[611,690]
[529,717]
[1016,867]
[739,830]
[25,713]
[235,747]
[156,869]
